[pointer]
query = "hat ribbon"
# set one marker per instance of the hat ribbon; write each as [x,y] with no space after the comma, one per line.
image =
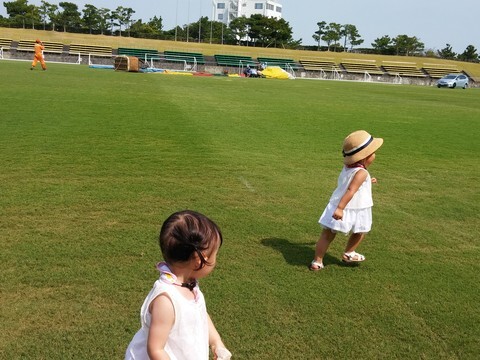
[358,148]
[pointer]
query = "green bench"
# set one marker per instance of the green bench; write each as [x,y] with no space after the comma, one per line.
[283,63]
[142,54]
[188,57]
[234,60]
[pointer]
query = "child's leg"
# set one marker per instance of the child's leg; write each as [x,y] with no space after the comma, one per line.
[326,237]
[354,241]
[350,255]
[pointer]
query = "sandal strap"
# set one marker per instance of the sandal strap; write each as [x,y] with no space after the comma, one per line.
[319,265]
[354,256]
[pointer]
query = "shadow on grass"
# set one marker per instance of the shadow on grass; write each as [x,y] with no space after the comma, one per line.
[298,254]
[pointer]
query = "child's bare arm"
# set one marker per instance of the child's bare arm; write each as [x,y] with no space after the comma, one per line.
[215,341]
[163,318]
[358,179]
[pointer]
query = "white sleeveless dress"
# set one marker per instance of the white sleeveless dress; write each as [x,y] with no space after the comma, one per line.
[188,339]
[357,215]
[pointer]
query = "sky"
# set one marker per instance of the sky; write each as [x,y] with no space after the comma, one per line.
[435,22]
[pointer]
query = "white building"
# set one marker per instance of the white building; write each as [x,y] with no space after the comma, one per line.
[227,10]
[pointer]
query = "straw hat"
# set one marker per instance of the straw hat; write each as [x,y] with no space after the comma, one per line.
[359,145]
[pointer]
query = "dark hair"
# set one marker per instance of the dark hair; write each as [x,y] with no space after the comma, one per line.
[185,233]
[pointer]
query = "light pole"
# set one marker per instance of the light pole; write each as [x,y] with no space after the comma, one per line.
[188,20]
[211,21]
[176,21]
[200,23]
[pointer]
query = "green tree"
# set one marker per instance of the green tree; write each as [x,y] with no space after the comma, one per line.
[91,18]
[470,54]
[239,28]
[124,17]
[4,22]
[332,35]
[317,36]
[406,45]
[200,30]
[383,45]
[104,18]
[281,34]
[70,16]
[350,34]
[17,11]
[447,53]
[156,23]
[32,16]
[45,11]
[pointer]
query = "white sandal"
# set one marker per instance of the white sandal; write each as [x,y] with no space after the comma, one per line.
[315,266]
[352,257]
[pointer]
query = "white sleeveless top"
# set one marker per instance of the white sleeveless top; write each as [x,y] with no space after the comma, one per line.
[362,198]
[188,339]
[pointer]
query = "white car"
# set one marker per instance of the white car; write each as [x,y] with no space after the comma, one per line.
[453,81]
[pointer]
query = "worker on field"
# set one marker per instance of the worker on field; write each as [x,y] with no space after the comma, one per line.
[39,55]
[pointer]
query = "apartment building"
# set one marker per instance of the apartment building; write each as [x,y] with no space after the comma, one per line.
[227,10]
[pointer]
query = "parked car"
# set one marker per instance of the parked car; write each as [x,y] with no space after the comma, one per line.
[453,81]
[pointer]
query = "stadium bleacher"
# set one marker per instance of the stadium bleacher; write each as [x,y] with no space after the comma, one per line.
[234,60]
[283,63]
[50,46]
[436,71]
[319,64]
[84,49]
[6,44]
[361,67]
[402,68]
[143,54]
[188,57]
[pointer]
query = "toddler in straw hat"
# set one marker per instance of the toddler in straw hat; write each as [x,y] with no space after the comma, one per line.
[350,206]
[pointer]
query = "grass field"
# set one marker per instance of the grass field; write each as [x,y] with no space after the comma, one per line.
[94,160]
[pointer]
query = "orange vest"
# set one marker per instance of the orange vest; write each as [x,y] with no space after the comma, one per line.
[38,49]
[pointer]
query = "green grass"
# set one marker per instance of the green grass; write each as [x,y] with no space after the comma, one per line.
[94,160]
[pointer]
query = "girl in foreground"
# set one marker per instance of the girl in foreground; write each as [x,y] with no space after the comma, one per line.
[174,318]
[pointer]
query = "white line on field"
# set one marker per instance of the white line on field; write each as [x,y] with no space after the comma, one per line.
[246,183]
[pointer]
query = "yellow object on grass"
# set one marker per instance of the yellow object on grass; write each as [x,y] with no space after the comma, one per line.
[177,73]
[275,72]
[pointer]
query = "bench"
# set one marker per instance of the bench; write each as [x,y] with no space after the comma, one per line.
[234,60]
[83,49]
[361,67]
[401,68]
[49,46]
[437,72]
[6,44]
[143,54]
[319,64]
[188,57]
[283,63]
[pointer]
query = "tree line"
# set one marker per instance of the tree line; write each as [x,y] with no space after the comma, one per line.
[257,30]
[333,33]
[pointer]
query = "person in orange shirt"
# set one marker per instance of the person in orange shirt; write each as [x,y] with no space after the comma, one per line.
[39,55]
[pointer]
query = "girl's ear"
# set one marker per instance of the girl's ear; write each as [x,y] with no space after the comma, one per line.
[197,260]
